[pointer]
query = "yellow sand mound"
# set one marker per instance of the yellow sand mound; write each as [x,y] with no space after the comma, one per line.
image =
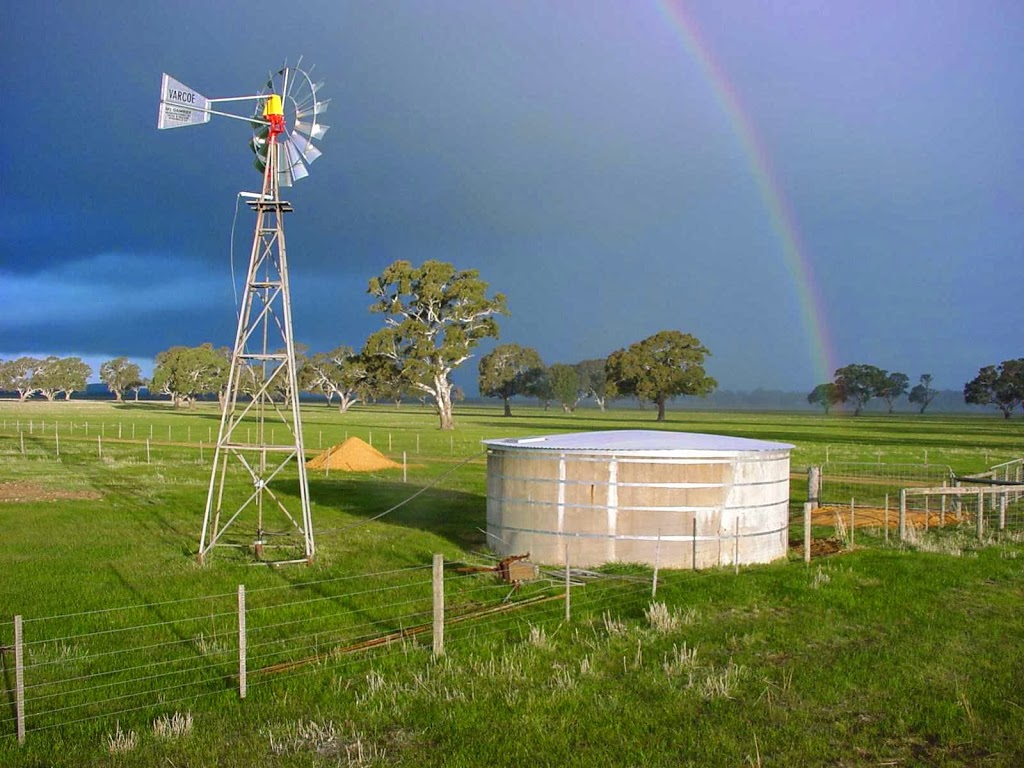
[352,456]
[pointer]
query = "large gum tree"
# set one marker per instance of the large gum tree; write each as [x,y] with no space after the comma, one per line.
[434,316]
[662,366]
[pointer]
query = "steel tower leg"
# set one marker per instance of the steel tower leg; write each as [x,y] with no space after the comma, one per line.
[261,426]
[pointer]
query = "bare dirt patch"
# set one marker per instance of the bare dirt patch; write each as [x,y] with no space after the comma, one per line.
[15,492]
[353,455]
[875,517]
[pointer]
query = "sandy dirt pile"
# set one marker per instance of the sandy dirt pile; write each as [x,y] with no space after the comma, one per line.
[352,456]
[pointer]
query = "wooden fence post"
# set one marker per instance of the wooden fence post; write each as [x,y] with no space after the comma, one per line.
[808,506]
[438,605]
[695,541]
[903,514]
[887,518]
[657,561]
[1002,512]
[981,515]
[147,451]
[814,486]
[19,677]
[405,469]
[242,681]
[99,446]
[852,522]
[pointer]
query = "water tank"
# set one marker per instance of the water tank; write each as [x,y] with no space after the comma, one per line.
[679,499]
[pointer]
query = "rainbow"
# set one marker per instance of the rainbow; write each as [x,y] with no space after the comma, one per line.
[783,220]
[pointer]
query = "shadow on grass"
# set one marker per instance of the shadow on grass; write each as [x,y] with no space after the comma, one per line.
[454,515]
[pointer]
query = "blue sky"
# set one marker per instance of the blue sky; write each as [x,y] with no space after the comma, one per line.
[574,152]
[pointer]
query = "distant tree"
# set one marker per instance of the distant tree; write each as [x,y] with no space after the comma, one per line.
[509,370]
[120,375]
[17,376]
[825,395]
[1002,387]
[565,385]
[434,317]
[541,389]
[922,394]
[339,373]
[858,384]
[56,375]
[594,382]
[665,365]
[184,373]
[893,388]
[46,379]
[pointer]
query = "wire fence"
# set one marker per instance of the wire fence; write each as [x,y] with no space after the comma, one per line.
[136,440]
[144,660]
[919,499]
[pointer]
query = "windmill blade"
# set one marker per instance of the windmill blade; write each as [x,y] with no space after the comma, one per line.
[314,131]
[318,108]
[305,147]
[293,159]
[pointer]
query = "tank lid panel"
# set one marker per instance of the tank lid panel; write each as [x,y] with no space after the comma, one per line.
[637,440]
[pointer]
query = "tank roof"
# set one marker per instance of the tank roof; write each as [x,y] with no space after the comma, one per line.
[637,440]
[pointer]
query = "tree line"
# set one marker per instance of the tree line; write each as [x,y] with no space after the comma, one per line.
[999,385]
[434,317]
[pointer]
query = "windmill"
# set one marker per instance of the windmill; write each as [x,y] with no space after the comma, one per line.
[260,428]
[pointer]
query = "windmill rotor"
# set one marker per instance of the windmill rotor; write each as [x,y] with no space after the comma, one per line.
[302,123]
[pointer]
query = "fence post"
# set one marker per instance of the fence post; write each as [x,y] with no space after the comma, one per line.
[56,441]
[22,436]
[657,561]
[242,682]
[852,521]
[887,518]
[695,541]
[19,678]
[1002,512]
[814,486]
[736,546]
[438,605]
[99,446]
[981,515]
[903,514]
[405,469]
[568,586]
[808,506]
[147,450]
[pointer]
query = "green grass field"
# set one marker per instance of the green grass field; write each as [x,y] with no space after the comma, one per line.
[884,655]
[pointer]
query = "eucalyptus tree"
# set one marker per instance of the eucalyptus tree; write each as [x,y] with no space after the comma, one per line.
[434,317]
[859,384]
[509,370]
[120,375]
[19,375]
[339,373]
[826,395]
[593,381]
[565,385]
[922,394]
[1001,386]
[662,366]
[184,373]
[893,387]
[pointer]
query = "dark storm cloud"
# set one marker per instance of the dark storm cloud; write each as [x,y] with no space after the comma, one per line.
[575,153]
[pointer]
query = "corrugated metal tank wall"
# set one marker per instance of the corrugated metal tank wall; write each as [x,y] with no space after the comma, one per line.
[701,510]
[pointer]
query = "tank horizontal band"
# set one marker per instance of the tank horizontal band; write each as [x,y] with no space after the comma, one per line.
[637,537]
[505,501]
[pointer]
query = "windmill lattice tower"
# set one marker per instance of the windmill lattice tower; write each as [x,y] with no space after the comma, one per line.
[260,433]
